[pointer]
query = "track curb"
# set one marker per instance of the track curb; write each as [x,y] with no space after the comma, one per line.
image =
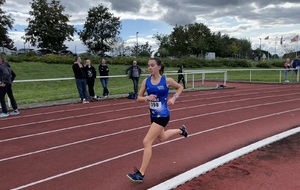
[204,168]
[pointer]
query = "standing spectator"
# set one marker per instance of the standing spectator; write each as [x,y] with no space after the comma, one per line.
[91,75]
[157,87]
[295,64]
[134,74]
[181,76]
[80,78]
[7,76]
[104,70]
[287,66]
[253,56]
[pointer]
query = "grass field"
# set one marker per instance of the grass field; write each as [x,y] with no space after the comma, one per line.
[36,92]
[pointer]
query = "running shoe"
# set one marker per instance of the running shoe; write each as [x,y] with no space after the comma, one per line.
[15,112]
[137,176]
[85,102]
[184,131]
[4,115]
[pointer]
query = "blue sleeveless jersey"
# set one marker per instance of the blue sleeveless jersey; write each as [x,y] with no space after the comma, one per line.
[159,106]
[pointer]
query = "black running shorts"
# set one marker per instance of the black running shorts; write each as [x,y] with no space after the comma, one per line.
[162,121]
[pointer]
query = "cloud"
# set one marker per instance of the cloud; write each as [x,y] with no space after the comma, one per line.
[251,19]
[126,6]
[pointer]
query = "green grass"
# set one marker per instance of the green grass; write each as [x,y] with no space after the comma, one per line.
[36,92]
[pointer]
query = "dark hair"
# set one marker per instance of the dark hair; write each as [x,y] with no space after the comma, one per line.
[159,63]
[76,57]
[2,58]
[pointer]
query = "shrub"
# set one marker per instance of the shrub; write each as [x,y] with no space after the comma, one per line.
[263,65]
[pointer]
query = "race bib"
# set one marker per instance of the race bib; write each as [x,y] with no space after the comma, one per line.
[155,105]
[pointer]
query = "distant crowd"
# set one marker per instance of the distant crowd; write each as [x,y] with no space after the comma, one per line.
[85,75]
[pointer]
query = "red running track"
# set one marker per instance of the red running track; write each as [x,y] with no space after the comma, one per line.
[94,146]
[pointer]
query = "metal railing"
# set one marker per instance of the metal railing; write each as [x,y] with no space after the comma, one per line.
[192,76]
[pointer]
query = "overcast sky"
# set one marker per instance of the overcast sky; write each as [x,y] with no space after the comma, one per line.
[252,19]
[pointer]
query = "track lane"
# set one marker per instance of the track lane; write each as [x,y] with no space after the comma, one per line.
[138,135]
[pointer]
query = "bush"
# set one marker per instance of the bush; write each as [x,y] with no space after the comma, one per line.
[263,65]
[187,62]
[278,63]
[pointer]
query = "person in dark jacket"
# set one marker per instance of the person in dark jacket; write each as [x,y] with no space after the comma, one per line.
[181,76]
[80,78]
[296,65]
[134,74]
[91,75]
[7,76]
[104,70]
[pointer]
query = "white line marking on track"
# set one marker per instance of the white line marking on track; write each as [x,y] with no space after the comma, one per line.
[139,150]
[122,118]
[137,107]
[202,169]
[64,118]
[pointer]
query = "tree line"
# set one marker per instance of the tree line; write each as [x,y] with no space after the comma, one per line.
[197,39]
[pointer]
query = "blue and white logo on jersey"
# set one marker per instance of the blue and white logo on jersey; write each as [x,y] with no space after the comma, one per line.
[160,87]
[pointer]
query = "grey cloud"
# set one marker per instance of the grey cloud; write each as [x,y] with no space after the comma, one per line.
[174,17]
[182,11]
[115,5]
[126,6]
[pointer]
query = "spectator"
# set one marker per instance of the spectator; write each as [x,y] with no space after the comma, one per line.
[104,70]
[91,75]
[296,66]
[287,66]
[80,78]
[253,56]
[134,74]
[181,76]
[7,77]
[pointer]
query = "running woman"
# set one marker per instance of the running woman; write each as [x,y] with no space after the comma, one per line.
[157,87]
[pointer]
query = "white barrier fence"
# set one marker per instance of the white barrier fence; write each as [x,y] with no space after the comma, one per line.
[192,76]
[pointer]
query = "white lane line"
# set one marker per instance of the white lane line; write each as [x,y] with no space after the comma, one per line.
[142,127]
[73,127]
[63,111]
[139,150]
[129,117]
[70,117]
[122,109]
[71,144]
[204,168]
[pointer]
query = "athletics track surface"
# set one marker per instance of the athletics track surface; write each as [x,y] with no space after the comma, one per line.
[94,146]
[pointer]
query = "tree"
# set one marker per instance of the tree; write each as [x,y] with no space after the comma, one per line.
[145,50]
[199,39]
[135,50]
[179,41]
[244,47]
[219,45]
[48,26]
[189,39]
[163,42]
[6,23]
[234,49]
[100,29]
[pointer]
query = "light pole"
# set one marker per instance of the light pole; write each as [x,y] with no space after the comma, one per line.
[137,43]
[259,48]
[275,45]
[260,43]
[137,38]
